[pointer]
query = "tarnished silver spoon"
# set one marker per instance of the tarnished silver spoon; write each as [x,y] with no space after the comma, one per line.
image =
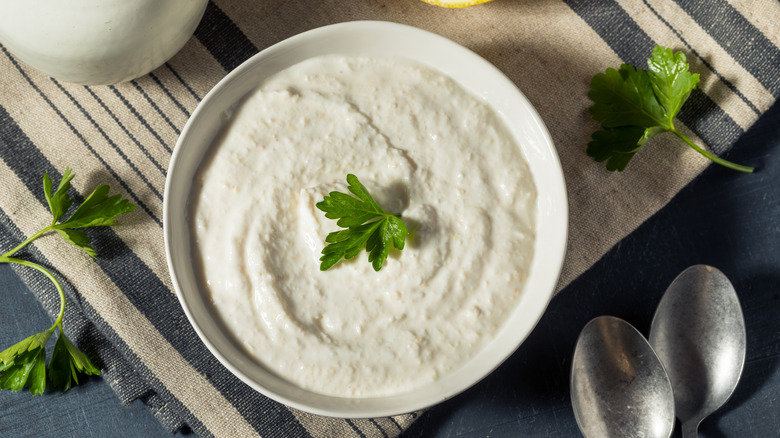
[698,332]
[618,386]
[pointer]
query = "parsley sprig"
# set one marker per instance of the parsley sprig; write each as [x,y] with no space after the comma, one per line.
[634,105]
[24,364]
[364,223]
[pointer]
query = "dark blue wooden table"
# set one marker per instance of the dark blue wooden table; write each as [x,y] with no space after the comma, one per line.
[723,218]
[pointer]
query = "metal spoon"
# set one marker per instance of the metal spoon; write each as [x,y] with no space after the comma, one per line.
[618,386]
[698,332]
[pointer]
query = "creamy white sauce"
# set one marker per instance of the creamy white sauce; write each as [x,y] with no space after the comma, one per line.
[423,147]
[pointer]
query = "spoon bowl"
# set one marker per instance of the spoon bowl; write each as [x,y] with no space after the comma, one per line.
[698,332]
[619,387]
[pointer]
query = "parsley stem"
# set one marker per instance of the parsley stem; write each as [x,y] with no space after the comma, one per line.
[712,157]
[30,239]
[58,321]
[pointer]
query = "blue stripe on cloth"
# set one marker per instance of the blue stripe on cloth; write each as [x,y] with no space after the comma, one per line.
[704,61]
[15,146]
[170,96]
[151,297]
[623,35]
[355,428]
[140,118]
[710,122]
[384,434]
[396,423]
[108,139]
[127,132]
[183,82]
[740,38]
[223,39]
[12,236]
[78,134]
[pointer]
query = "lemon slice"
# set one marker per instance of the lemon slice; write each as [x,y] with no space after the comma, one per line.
[456,3]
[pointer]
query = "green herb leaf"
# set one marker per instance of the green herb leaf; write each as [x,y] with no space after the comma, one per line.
[671,81]
[33,342]
[23,364]
[365,223]
[66,362]
[36,381]
[634,105]
[59,201]
[616,146]
[78,238]
[624,98]
[98,209]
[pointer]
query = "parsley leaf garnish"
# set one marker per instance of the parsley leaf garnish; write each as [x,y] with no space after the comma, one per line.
[634,105]
[65,361]
[23,365]
[364,223]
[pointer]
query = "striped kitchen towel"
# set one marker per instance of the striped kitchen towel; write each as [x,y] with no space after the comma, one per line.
[127,315]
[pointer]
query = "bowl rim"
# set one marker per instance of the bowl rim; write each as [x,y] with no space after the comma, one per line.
[551,215]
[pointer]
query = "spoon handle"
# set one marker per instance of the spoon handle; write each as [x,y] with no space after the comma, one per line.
[690,428]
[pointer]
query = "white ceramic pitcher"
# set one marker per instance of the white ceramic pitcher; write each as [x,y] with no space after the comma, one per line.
[97,42]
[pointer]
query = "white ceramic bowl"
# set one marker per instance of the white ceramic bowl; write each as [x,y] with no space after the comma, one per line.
[372,39]
[98,42]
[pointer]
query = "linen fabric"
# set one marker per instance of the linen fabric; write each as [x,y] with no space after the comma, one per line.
[122,309]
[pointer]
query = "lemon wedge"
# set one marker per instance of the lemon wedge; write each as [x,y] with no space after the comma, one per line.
[456,3]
